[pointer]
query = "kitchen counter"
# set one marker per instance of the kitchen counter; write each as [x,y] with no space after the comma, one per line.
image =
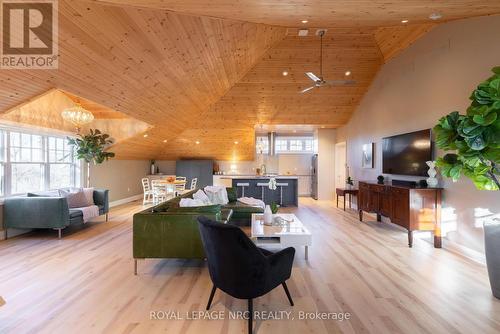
[259,177]
[286,193]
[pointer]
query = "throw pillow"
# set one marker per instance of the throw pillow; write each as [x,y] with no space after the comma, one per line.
[75,200]
[89,194]
[232,194]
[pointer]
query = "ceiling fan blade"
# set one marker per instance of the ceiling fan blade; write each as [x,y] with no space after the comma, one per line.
[340,82]
[307,89]
[312,76]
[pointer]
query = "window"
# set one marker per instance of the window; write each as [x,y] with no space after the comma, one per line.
[262,145]
[285,144]
[34,162]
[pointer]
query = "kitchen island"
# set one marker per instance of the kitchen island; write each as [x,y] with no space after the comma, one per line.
[286,193]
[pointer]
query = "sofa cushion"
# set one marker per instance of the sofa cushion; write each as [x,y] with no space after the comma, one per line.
[241,210]
[232,194]
[205,208]
[73,213]
[49,193]
[75,200]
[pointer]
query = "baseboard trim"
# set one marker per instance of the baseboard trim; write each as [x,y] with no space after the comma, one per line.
[125,200]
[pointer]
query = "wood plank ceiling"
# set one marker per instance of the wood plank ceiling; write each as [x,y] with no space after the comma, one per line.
[329,13]
[159,67]
[211,80]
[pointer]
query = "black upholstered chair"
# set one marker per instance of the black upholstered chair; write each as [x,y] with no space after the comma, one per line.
[241,269]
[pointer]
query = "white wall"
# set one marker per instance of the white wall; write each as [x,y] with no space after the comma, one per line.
[326,164]
[433,77]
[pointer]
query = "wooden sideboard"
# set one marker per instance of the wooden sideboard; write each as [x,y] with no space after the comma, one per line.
[416,209]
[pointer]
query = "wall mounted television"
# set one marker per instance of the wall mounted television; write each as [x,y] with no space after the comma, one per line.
[406,154]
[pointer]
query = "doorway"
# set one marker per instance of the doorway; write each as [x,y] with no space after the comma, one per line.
[340,164]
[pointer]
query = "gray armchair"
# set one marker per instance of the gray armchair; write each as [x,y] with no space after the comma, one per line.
[32,212]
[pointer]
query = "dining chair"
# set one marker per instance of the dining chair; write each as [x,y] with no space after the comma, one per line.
[159,191]
[180,187]
[194,181]
[241,269]
[148,192]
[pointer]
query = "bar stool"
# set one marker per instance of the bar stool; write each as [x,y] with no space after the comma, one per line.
[281,185]
[242,185]
[260,184]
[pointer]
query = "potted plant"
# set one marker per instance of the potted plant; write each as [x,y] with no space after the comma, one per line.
[380,179]
[92,148]
[349,182]
[472,146]
[272,186]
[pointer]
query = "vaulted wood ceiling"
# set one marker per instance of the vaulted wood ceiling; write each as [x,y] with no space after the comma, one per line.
[324,13]
[199,78]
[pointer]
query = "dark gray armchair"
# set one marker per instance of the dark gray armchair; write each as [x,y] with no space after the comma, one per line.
[241,269]
[38,211]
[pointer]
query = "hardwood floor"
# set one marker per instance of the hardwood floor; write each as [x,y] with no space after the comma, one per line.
[84,283]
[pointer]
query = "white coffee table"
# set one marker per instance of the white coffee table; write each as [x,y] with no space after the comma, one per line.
[293,234]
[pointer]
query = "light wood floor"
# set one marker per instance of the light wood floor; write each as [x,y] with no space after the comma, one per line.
[84,283]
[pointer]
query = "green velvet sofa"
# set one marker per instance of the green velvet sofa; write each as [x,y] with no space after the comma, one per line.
[48,210]
[169,231]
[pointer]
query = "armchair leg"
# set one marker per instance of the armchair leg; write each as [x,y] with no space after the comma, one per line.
[107,217]
[135,267]
[287,293]
[211,297]
[250,316]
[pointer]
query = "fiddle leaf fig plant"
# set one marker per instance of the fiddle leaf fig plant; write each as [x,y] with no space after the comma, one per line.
[92,148]
[472,141]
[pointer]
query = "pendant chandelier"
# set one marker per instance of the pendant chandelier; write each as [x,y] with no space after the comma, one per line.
[77,115]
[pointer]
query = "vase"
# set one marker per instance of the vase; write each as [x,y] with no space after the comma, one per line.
[268,215]
[431,180]
[153,169]
[492,252]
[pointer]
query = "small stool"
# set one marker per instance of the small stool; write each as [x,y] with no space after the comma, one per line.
[242,185]
[259,184]
[281,185]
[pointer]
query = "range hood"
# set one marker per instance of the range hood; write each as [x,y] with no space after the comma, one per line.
[271,137]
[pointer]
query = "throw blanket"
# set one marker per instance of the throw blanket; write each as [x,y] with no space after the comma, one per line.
[217,194]
[187,202]
[89,212]
[252,202]
[200,195]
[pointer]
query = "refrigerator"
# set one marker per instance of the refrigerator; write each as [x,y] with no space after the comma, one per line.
[201,169]
[314,177]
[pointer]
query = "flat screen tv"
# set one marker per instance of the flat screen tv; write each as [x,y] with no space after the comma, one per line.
[407,154]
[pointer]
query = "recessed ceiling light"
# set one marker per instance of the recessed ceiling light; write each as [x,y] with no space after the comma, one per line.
[197,142]
[347,73]
[164,140]
[285,73]
[236,142]
[145,135]
[304,21]
[404,21]
[435,16]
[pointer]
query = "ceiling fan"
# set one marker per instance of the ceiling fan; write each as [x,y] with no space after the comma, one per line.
[320,81]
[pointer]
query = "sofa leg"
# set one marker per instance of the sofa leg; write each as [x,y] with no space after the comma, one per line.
[107,217]
[59,233]
[5,233]
[135,267]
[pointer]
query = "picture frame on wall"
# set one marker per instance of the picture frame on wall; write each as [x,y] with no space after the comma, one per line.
[367,158]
